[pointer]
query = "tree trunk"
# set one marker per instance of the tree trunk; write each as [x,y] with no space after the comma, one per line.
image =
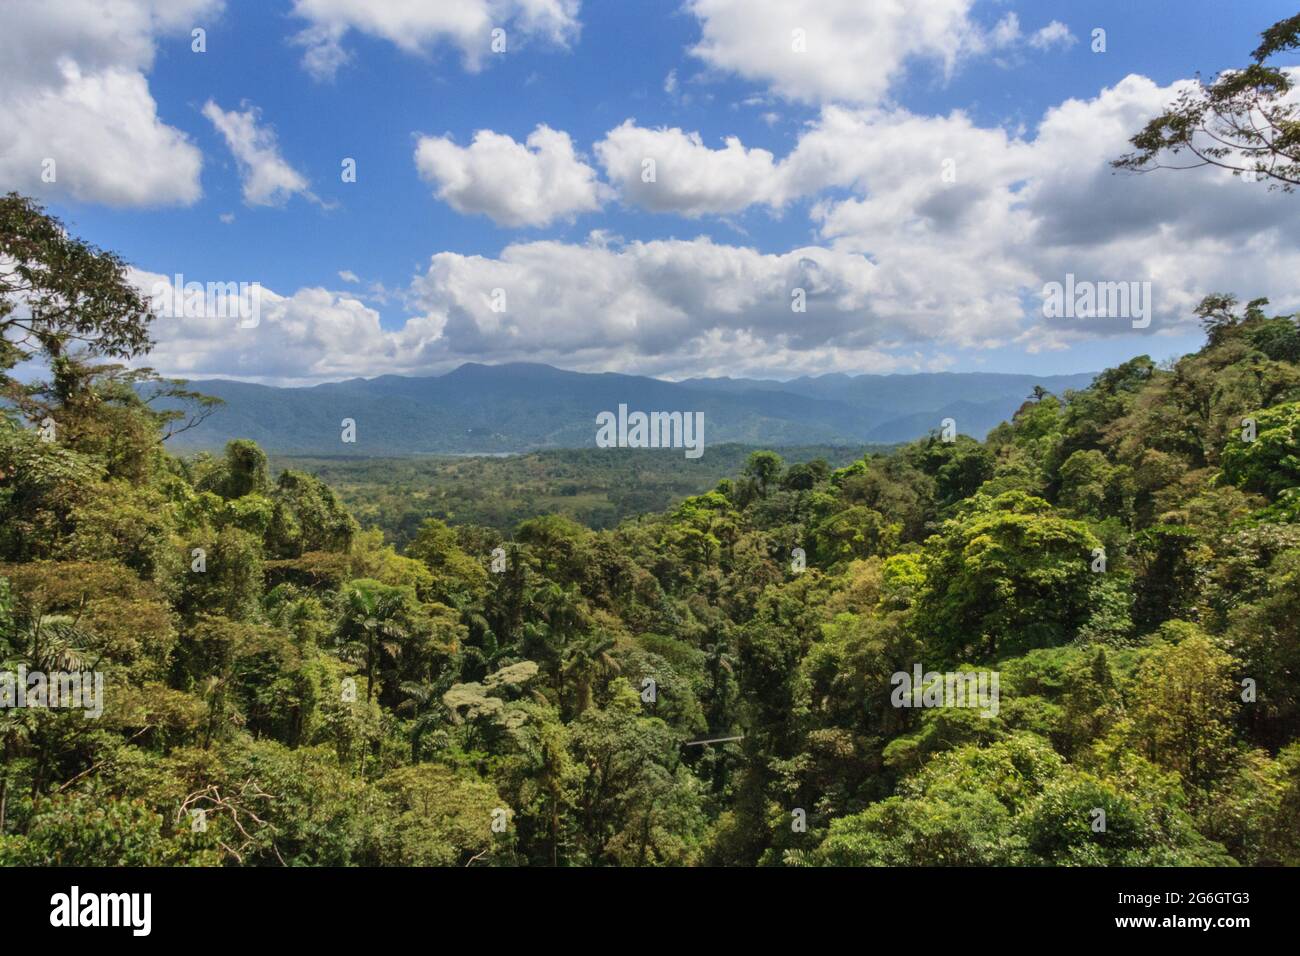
[370,667]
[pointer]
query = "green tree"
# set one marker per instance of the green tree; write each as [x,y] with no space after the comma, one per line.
[1005,578]
[59,293]
[437,817]
[765,468]
[1183,704]
[374,622]
[1244,120]
[1270,463]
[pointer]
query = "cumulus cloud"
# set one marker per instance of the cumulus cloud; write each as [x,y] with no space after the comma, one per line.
[848,51]
[515,184]
[79,119]
[310,335]
[1025,211]
[268,180]
[837,150]
[646,298]
[418,28]
[672,307]
[851,51]
[668,170]
[970,222]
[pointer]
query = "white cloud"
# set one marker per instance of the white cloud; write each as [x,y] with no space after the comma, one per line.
[419,27]
[1023,212]
[849,51]
[688,177]
[673,308]
[838,150]
[267,179]
[1006,32]
[73,89]
[347,275]
[646,299]
[854,50]
[516,184]
[325,55]
[1055,33]
[311,335]
[969,222]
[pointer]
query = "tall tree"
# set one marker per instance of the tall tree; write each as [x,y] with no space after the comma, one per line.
[59,293]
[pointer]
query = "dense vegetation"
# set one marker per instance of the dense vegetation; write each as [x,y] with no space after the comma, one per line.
[1126,557]
[592,487]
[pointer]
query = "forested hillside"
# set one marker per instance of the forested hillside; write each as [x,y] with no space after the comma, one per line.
[516,407]
[591,486]
[1125,558]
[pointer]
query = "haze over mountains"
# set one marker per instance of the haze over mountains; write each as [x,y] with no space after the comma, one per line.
[491,409]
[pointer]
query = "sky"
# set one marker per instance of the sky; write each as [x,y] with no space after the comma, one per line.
[912,172]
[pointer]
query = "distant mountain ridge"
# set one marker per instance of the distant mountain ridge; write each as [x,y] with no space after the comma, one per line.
[517,407]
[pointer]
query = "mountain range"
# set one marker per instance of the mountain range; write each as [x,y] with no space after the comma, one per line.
[494,409]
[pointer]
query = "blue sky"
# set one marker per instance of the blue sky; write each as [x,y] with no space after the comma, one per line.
[583,70]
